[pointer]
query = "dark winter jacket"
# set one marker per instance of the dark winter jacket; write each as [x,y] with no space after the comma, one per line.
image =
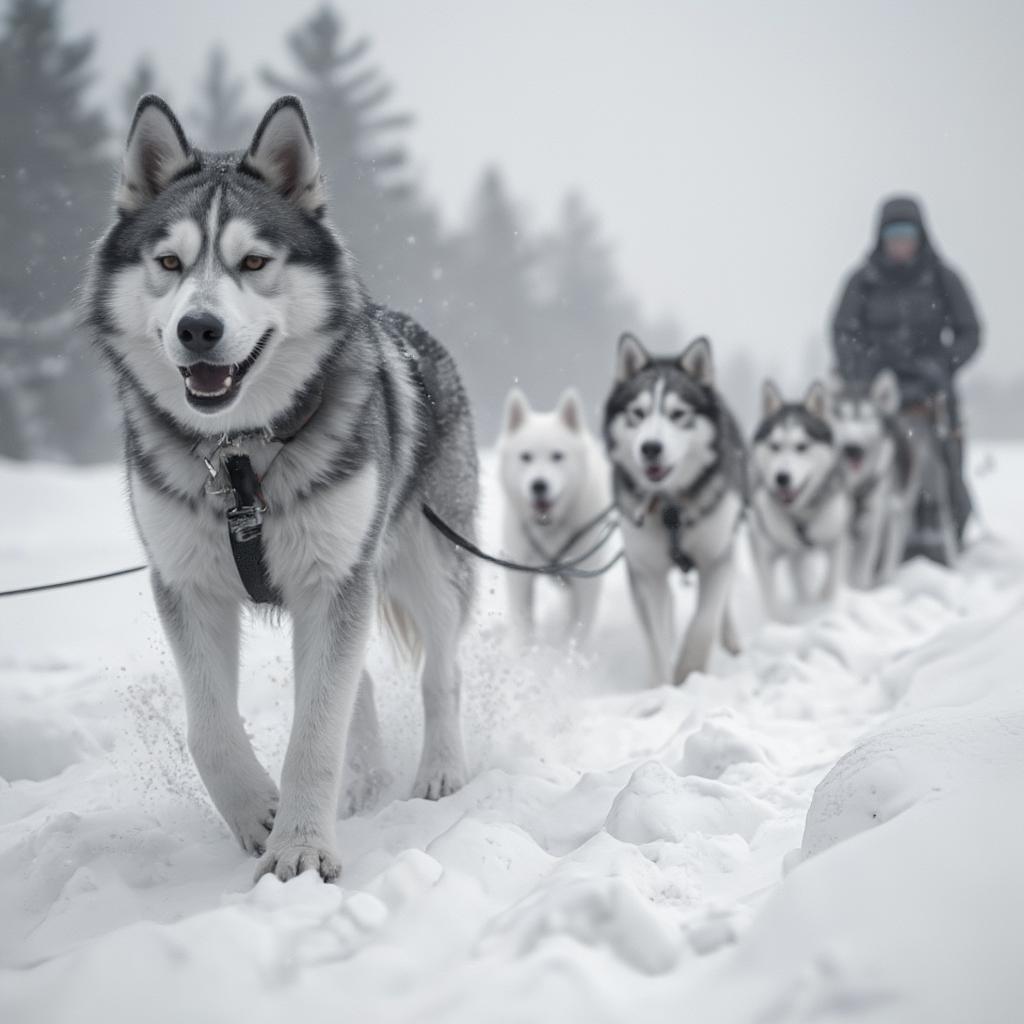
[916,319]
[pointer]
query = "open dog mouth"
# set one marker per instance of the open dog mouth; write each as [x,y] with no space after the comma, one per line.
[657,473]
[542,509]
[787,495]
[212,385]
[854,456]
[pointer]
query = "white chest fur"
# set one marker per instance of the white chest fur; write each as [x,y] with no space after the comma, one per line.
[648,545]
[789,534]
[316,540]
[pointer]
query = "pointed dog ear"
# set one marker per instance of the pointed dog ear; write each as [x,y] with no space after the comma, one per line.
[816,400]
[283,154]
[570,410]
[156,152]
[517,410]
[771,398]
[885,393]
[632,357]
[696,362]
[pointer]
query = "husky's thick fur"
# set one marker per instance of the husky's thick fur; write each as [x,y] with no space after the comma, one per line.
[876,464]
[680,485]
[233,320]
[556,483]
[800,506]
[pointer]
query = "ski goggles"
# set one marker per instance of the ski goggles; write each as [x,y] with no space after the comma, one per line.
[901,229]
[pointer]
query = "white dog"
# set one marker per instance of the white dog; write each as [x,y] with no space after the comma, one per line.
[556,484]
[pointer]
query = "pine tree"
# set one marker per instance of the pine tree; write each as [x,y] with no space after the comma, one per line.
[56,180]
[220,121]
[584,307]
[56,173]
[495,336]
[394,235]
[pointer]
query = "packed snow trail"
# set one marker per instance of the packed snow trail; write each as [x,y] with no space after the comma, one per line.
[620,853]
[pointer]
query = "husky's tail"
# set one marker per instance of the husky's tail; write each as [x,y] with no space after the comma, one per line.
[402,632]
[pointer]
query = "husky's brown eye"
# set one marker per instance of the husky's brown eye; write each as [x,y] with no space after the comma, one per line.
[170,262]
[254,262]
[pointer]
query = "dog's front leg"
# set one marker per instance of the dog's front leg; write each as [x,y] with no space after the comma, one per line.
[520,606]
[765,565]
[330,628]
[653,601]
[835,573]
[864,552]
[713,583]
[895,529]
[583,598]
[203,631]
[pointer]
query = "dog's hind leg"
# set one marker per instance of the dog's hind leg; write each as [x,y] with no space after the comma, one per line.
[203,631]
[331,622]
[365,775]
[713,586]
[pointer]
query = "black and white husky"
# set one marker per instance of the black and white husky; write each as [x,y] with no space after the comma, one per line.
[876,463]
[680,483]
[555,482]
[800,506]
[256,375]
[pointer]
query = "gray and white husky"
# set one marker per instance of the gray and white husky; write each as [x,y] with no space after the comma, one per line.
[800,506]
[680,484]
[876,463]
[556,484]
[236,328]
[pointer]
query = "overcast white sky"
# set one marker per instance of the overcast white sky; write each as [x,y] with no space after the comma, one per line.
[735,150]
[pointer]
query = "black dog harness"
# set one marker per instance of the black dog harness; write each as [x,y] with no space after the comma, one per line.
[245,529]
[244,517]
[684,510]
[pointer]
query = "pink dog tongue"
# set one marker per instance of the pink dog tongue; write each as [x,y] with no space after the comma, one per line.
[208,379]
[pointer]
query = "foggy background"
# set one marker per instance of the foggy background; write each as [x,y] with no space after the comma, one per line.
[531,179]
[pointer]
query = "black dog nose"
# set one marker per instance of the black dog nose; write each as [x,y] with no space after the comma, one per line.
[853,451]
[539,487]
[783,480]
[199,332]
[651,449]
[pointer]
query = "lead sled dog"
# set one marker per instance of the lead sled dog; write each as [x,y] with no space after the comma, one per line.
[680,485]
[248,356]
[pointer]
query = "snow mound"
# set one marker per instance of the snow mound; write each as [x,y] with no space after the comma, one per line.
[715,747]
[657,805]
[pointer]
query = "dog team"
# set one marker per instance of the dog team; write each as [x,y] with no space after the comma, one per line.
[291,445]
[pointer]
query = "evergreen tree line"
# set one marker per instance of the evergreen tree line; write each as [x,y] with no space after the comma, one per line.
[515,304]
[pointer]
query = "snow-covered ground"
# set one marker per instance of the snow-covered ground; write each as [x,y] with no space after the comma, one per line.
[829,827]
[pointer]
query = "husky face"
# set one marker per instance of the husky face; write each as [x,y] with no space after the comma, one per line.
[543,457]
[658,419]
[859,417]
[794,447]
[220,280]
